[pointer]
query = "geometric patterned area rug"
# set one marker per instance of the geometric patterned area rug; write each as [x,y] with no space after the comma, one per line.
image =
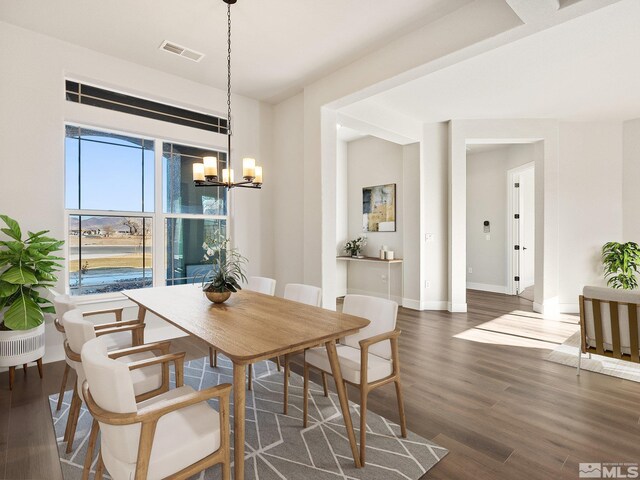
[277,447]
[567,354]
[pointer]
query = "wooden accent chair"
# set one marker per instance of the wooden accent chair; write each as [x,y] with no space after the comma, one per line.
[266,286]
[308,295]
[147,382]
[609,324]
[173,435]
[368,359]
[64,303]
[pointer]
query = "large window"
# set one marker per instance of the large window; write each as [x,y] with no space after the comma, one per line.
[121,235]
[193,214]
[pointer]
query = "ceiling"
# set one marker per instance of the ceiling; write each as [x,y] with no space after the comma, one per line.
[279,46]
[587,68]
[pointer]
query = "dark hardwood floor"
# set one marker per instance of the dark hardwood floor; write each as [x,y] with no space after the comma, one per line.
[476,383]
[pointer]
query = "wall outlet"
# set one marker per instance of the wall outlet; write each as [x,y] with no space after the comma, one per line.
[428,237]
[470,269]
[383,277]
[427,284]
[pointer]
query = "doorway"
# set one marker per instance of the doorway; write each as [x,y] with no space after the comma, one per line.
[521,241]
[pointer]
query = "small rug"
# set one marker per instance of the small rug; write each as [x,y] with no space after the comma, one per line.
[277,447]
[567,354]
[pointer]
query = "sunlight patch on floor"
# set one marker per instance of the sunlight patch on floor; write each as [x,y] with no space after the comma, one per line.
[520,331]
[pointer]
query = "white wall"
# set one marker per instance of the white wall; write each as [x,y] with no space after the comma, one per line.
[487,200]
[434,235]
[412,224]
[32,115]
[287,215]
[631,180]
[578,200]
[471,23]
[590,203]
[373,161]
[342,216]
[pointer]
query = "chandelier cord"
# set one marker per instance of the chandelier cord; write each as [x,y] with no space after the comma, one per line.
[229,70]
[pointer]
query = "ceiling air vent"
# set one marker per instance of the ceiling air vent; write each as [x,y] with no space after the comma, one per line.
[182,51]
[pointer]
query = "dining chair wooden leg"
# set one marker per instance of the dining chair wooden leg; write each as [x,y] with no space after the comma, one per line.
[364,392]
[39,363]
[99,467]
[90,447]
[250,379]
[305,395]
[278,364]
[12,375]
[344,402]
[74,422]
[285,408]
[63,386]
[70,412]
[325,386]
[213,357]
[226,470]
[403,417]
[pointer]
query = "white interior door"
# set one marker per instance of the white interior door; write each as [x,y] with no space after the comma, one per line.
[526,227]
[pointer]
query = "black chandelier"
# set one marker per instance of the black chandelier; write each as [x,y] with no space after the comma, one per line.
[205,174]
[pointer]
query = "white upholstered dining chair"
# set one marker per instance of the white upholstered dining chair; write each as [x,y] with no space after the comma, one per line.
[64,303]
[368,359]
[173,435]
[309,295]
[147,382]
[266,286]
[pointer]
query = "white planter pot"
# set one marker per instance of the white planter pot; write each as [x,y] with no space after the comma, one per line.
[21,346]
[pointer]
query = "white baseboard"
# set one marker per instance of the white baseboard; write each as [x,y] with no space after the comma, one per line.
[568,308]
[457,307]
[411,303]
[434,305]
[487,287]
[405,302]
[427,305]
[553,308]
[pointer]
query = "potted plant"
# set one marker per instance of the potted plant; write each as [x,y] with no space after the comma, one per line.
[27,272]
[354,247]
[227,272]
[621,263]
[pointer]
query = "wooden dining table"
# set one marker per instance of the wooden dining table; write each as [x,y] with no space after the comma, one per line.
[248,328]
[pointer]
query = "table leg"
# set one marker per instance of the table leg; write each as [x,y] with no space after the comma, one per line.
[344,403]
[139,334]
[239,372]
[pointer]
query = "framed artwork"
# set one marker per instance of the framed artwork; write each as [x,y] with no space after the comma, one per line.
[379,208]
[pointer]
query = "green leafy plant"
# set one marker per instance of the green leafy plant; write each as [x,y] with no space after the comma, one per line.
[621,263]
[27,267]
[354,247]
[228,266]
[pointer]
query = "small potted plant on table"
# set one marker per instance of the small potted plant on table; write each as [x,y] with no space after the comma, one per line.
[354,247]
[27,271]
[227,272]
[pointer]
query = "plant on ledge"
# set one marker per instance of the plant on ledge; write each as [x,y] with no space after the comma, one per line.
[227,269]
[354,247]
[27,267]
[621,263]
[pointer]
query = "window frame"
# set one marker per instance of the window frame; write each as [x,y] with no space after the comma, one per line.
[158,216]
